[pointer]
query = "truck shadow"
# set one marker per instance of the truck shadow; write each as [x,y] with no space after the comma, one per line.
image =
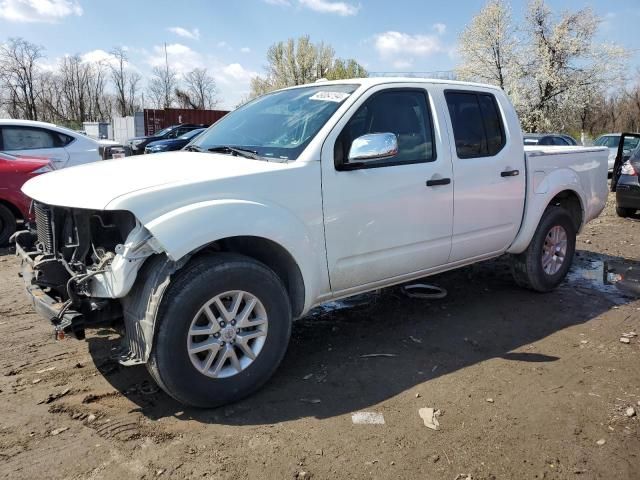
[333,365]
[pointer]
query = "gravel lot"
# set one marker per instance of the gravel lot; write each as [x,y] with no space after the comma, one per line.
[528,386]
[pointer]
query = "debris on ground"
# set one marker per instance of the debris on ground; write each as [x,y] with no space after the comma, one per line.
[489,400]
[58,431]
[307,376]
[46,370]
[424,291]
[414,339]
[373,355]
[601,442]
[367,418]
[429,416]
[464,476]
[624,340]
[630,412]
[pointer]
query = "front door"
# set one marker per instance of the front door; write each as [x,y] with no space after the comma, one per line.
[381,219]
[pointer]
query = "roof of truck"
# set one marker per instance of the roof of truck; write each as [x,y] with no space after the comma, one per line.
[372,81]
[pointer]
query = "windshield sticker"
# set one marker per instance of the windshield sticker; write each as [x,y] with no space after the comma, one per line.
[329,96]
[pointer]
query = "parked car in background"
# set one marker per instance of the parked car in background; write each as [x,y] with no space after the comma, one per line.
[14,205]
[300,197]
[137,145]
[625,180]
[549,139]
[62,146]
[611,141]
[171,144]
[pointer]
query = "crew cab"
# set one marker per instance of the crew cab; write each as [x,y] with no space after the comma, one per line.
[299,197]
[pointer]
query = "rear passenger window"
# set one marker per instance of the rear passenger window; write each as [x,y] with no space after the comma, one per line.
[29,138]
[477,124]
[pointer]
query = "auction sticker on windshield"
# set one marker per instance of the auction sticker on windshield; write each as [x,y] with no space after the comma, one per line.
[329,96]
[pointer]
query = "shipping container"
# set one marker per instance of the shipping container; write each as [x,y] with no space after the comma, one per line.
[155,120]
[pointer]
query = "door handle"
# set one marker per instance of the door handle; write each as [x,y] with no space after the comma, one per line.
[438,181]
[510,173]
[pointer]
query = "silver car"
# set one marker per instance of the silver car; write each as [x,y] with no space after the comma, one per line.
[611,141]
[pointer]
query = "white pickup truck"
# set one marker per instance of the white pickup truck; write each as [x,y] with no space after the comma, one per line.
[302,196]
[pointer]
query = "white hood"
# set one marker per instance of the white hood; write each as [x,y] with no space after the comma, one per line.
[96,185]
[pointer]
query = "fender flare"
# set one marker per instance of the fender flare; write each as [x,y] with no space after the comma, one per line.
[543,190]
[189,228]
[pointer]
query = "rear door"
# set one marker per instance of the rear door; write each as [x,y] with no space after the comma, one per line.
[35,142]
[489,173]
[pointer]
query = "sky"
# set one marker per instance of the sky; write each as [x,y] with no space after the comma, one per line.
[231,37]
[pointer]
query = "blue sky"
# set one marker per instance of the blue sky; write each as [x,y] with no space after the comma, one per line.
[231,38]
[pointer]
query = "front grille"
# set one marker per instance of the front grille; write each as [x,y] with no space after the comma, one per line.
[45,226]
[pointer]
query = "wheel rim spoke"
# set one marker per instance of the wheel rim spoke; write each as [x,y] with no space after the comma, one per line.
[227,334]
[554,250]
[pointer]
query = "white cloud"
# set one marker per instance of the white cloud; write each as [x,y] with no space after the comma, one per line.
[99,56]
[440,28]
[48,11]
[186,33]
[245,50]
[281,3]
[401,48]
[326,6]
[402,64]
[181,58]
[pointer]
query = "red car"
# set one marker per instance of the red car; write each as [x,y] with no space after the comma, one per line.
[14,205]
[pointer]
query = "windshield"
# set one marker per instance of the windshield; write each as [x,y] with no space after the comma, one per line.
[162,132]
[192,134]
[278,125]
[612,141]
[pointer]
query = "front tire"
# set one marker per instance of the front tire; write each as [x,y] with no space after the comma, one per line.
[547,259]
[7,224]
[222,330]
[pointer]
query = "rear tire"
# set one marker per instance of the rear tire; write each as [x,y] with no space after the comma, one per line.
[7,224]
[547,259]
[624,212]
[199,369]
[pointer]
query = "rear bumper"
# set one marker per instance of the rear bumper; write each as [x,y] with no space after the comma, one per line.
[628,192]
[65,321]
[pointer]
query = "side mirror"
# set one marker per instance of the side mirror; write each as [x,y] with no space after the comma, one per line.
[373,146]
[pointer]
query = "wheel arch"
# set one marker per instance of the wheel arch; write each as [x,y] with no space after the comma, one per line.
[566,196]
[15,210]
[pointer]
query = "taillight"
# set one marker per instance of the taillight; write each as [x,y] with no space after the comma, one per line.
[627,169]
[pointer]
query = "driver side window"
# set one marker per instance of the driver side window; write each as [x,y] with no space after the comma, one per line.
[404,113]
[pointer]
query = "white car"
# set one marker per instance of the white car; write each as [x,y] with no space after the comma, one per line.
[63,147]
[611,141]
[300,197]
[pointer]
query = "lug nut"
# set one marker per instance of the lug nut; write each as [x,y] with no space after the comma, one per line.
[222,324]
[237,330]
[216,335]
[233,322]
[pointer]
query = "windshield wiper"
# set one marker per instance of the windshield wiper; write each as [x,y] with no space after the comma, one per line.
[243,152]
[193,148]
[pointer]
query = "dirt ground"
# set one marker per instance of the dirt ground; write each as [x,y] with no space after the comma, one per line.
[528,385]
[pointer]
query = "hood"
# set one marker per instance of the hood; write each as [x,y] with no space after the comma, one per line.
[96,185]
[169,141]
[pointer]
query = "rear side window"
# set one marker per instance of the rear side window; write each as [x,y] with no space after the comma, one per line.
[477,124]
[30,138]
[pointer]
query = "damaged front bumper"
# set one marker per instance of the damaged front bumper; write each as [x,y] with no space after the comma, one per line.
[65,320]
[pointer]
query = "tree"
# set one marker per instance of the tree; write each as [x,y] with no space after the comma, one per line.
[162,86]
[297,62]
[488,47]
[551,67]
[19,77]
[125,82]
[201,89]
